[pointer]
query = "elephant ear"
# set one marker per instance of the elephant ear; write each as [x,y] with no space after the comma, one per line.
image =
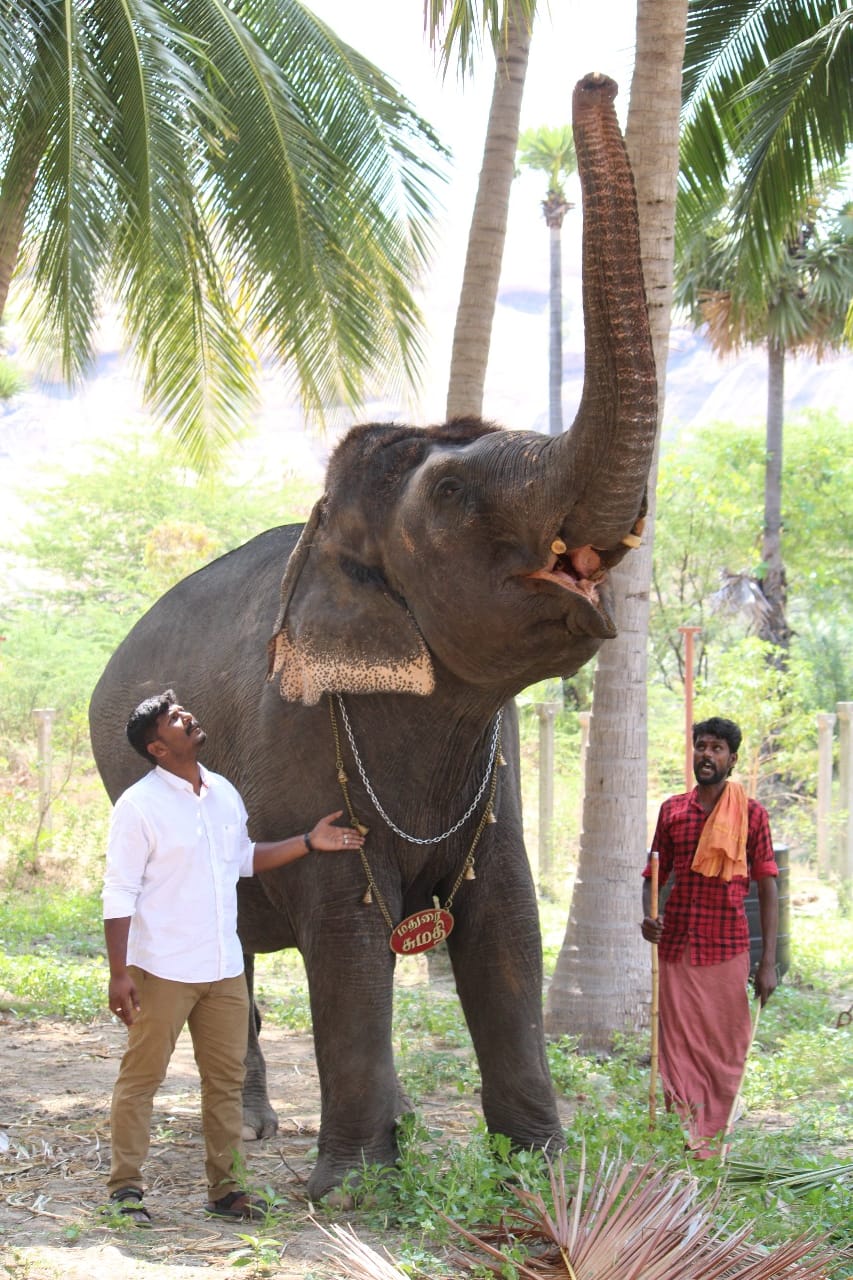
[339,627]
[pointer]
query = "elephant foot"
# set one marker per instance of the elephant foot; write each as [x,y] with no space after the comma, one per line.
[551,1144]
[259,1121]
[335,1177]
[338,1199]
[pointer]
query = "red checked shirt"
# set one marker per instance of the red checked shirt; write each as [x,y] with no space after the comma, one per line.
[705,912]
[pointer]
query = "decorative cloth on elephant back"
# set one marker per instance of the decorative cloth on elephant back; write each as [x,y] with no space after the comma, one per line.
[337,634]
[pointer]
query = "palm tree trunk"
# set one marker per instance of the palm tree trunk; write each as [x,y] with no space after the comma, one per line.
[774,627]
[14,201]
[601,984]
[475,313]
[555,344]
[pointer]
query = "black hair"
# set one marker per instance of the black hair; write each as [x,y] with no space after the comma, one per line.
[718,727]
[141,726]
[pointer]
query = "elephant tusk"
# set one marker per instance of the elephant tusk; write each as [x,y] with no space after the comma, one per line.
[633,539]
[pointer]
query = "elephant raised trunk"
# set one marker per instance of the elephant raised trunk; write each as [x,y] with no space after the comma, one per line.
[609,445]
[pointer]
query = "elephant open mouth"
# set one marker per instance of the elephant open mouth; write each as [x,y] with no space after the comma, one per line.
[579,570]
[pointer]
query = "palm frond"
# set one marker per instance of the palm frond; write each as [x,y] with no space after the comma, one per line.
[799,1181]
[69,209]
[767,107]
[467,26]
[549,149]
[337,294]
[801,96]
[240,179]
[198,366]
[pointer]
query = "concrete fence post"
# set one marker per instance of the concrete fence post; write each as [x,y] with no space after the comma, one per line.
[845,795]
[825,726]
[547,712]
[43,717]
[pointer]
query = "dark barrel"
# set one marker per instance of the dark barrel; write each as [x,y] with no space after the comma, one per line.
[783,941]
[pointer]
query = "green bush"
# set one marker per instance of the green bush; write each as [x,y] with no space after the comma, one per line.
[12,381]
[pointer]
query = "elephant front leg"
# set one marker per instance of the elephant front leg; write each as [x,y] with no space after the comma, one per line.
[498,970]
[259,1119]
[351,987]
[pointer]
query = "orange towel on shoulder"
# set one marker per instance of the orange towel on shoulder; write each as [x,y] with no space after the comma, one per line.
[721,850]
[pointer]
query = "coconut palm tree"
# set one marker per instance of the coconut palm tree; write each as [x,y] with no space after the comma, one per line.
[463,26]
[800,306]
[241,181]
[766,95]
[552,150]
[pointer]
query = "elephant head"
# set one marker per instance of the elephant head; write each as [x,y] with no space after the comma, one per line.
[474,549]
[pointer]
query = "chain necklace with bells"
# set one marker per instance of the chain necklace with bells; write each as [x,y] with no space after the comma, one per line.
[425,929]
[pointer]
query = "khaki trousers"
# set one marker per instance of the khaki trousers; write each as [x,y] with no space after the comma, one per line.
[217,1014]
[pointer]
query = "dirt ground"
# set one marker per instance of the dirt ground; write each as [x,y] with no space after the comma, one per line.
[54,1156]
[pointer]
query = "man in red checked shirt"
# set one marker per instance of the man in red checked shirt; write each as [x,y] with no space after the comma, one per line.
[712,840]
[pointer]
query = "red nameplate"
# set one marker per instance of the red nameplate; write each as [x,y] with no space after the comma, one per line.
[421,932]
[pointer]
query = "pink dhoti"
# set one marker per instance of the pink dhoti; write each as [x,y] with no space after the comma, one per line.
[705,1031]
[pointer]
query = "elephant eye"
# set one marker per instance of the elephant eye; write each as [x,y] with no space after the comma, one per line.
[448,487]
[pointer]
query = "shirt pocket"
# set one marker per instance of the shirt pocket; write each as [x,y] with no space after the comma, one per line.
[736,891]
[232,842]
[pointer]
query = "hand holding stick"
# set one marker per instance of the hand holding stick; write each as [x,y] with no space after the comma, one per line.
[653,1068]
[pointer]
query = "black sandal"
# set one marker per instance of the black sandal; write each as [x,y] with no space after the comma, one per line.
[239,1206]
[128,1202]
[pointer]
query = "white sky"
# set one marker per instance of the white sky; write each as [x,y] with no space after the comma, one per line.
[571,38]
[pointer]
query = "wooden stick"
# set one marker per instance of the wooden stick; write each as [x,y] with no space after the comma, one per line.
[653,1068]
[724,1151]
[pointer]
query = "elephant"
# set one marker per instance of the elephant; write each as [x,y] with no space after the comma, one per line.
[369,661]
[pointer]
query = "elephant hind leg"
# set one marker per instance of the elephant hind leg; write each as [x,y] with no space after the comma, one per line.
[259,1119]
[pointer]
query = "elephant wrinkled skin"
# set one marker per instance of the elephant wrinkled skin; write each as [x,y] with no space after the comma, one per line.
[443,570]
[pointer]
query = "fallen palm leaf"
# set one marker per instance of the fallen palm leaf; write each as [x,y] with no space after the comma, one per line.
[795,1179]
[361,1262]
[633,1223]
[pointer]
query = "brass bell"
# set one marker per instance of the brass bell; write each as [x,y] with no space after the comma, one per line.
[490,815]
[469,872]
[361,828]
[367,899]
[342,777]
[501,760]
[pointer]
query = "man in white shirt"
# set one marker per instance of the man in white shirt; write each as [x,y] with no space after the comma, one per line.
[178,845]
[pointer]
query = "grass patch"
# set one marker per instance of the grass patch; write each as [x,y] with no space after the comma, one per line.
[62,922]
[51,954]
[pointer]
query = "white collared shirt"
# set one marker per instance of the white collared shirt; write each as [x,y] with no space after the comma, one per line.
[173,862]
